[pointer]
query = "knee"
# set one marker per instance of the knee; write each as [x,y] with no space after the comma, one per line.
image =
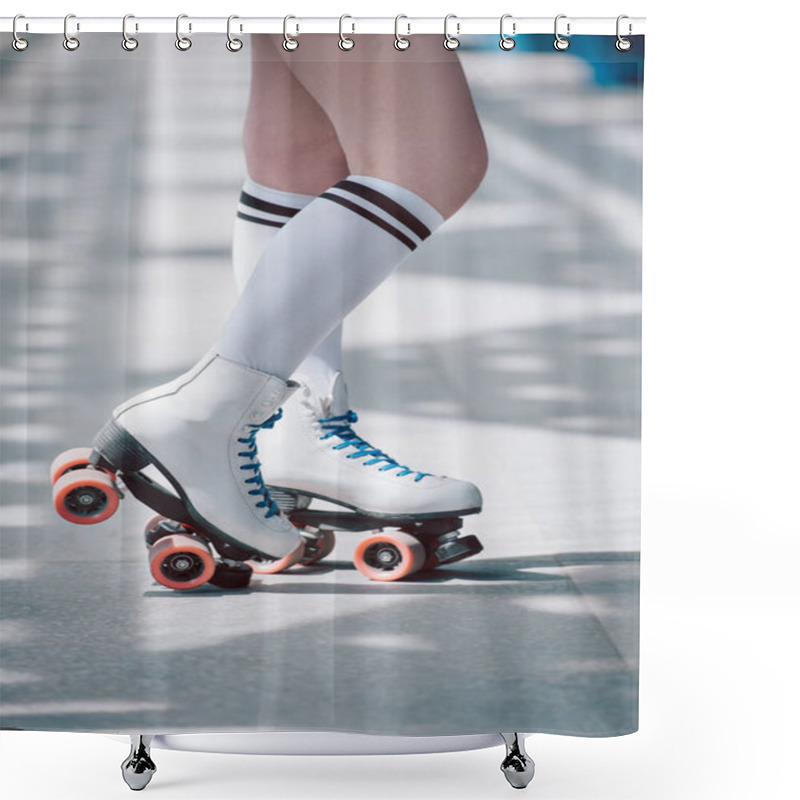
[270,139]
[306,164]
[460,175]
[474,171]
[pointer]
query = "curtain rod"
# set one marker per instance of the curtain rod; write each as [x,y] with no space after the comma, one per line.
[457,26]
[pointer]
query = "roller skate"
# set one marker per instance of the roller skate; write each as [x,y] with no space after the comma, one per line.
[216,520]
[412,518]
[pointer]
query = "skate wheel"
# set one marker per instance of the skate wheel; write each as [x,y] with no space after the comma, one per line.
[279,564]
[319,545]
[74,458]
[389,556]
[181,561]
[155,529]
[85,496]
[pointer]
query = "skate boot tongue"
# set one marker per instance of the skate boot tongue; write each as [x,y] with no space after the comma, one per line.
[323,398]
[337,402]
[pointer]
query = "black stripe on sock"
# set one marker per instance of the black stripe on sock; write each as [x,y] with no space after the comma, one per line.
[399,212]
[262,205]
[409,243]
[260,220]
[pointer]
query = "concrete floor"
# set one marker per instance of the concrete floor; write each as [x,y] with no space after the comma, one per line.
[505,352]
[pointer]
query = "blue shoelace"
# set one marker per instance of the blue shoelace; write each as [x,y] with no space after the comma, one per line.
[255,465]
[340,426]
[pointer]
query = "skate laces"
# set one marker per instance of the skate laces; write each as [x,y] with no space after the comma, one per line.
[257,480]
[340,426]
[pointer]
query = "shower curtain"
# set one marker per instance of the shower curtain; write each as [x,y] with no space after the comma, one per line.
[504,352]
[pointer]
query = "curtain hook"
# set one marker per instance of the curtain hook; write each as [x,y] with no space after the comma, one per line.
[129,43]
[451,42]
[561,43]
[183,43]
[290,43]
[623,45]
[506,42]
[233,44]
[400,42]
[70,43]
[344,42]
[18,43]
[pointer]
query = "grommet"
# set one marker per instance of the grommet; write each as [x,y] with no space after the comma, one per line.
[622,44]
[233,44]
[506,42]
[70,43]
[561,43]
[290,43]
[18,43]
[129,43]
[400,42]
[183,43]
[345,43]
[451,42]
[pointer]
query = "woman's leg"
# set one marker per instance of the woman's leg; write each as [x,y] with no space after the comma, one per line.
[411,130]
[410,134]
[292,154]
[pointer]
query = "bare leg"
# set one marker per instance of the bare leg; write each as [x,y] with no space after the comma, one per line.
[290,143]
[405,117]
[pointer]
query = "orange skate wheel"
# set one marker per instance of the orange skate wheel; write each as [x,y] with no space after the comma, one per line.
[152,534]
[389,556]
[74,458]
[85,496]
[279,564]
[181,561]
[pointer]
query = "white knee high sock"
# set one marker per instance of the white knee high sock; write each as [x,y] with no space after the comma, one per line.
[261,213]
[319,267]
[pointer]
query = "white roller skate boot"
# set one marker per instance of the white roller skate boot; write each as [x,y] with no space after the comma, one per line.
[316,454]
[198,431]
[316,451]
